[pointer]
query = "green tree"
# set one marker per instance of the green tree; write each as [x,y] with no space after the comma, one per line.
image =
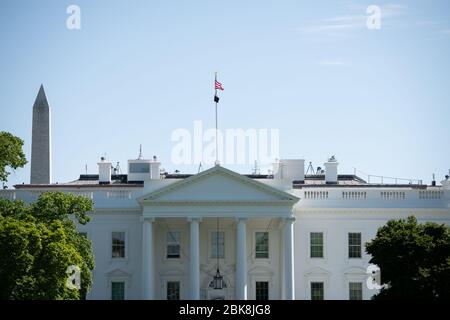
[37,244]
[11,154]
[414,259]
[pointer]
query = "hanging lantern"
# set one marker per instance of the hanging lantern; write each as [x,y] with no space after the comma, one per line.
[218,280]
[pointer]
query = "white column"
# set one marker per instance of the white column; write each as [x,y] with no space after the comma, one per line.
[283,278]
[289,258]
[241,260]
[194,275]
[147,259]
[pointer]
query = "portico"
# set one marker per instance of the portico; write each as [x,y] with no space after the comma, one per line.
[248,211]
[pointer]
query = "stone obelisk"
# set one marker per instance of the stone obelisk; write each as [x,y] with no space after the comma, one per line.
[41,165]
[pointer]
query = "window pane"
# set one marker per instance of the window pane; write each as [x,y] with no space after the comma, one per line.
[218,244]
[316,244]
[262,290]
[173,245]
[117,291]
[317,291]
[173,237]
[139,168]
[316,238]
[355,289]
[173,290]
[118,244]
[354,245]
[173,251]
[262,245]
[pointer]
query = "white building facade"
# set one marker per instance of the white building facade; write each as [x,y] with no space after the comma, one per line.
[288,235]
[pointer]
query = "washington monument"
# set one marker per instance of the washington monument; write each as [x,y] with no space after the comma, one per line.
[41,141]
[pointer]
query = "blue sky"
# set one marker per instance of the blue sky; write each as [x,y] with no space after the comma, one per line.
[137,70]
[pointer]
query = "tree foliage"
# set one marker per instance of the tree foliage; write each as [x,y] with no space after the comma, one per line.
[414,259]
[37,244]
[11,154]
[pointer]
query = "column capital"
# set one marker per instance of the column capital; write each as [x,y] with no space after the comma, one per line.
[194,219]
[147,219]
[289,219]
[237,219]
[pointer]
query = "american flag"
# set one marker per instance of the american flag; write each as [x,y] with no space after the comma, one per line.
[218,85]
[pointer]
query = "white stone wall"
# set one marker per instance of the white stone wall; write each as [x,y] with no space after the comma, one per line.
[336,269]
[325,210]
[107,269]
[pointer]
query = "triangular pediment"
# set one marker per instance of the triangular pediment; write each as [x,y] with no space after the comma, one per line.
[317,271]
[218,185]
[355,270]
[117,273]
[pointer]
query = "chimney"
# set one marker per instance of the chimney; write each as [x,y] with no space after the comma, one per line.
[289,169]
[277,170]
[155,169]
[104,171]
[331,174]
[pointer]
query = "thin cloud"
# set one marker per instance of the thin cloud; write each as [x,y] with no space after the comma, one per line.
[340,23]
[327,27]
[352,22]
[392,10]
[426,23]
[439,26]
[351,19]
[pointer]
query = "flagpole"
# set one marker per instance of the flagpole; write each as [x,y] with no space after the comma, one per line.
[217,142]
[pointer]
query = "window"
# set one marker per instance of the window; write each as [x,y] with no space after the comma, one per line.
[173,245]
[262,290]
[317,291]
[117,291]
[118,244]
[262,245]
[173,290]
[316,241]
[218,244]
[139,168]
[354,245]
[355,290]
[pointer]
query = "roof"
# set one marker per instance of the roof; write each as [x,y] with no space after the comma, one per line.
[79,186]
[89,181]
[311,181]
[367,185]
[349,181]
[319,179]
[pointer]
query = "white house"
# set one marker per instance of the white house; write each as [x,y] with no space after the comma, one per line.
[281,236]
